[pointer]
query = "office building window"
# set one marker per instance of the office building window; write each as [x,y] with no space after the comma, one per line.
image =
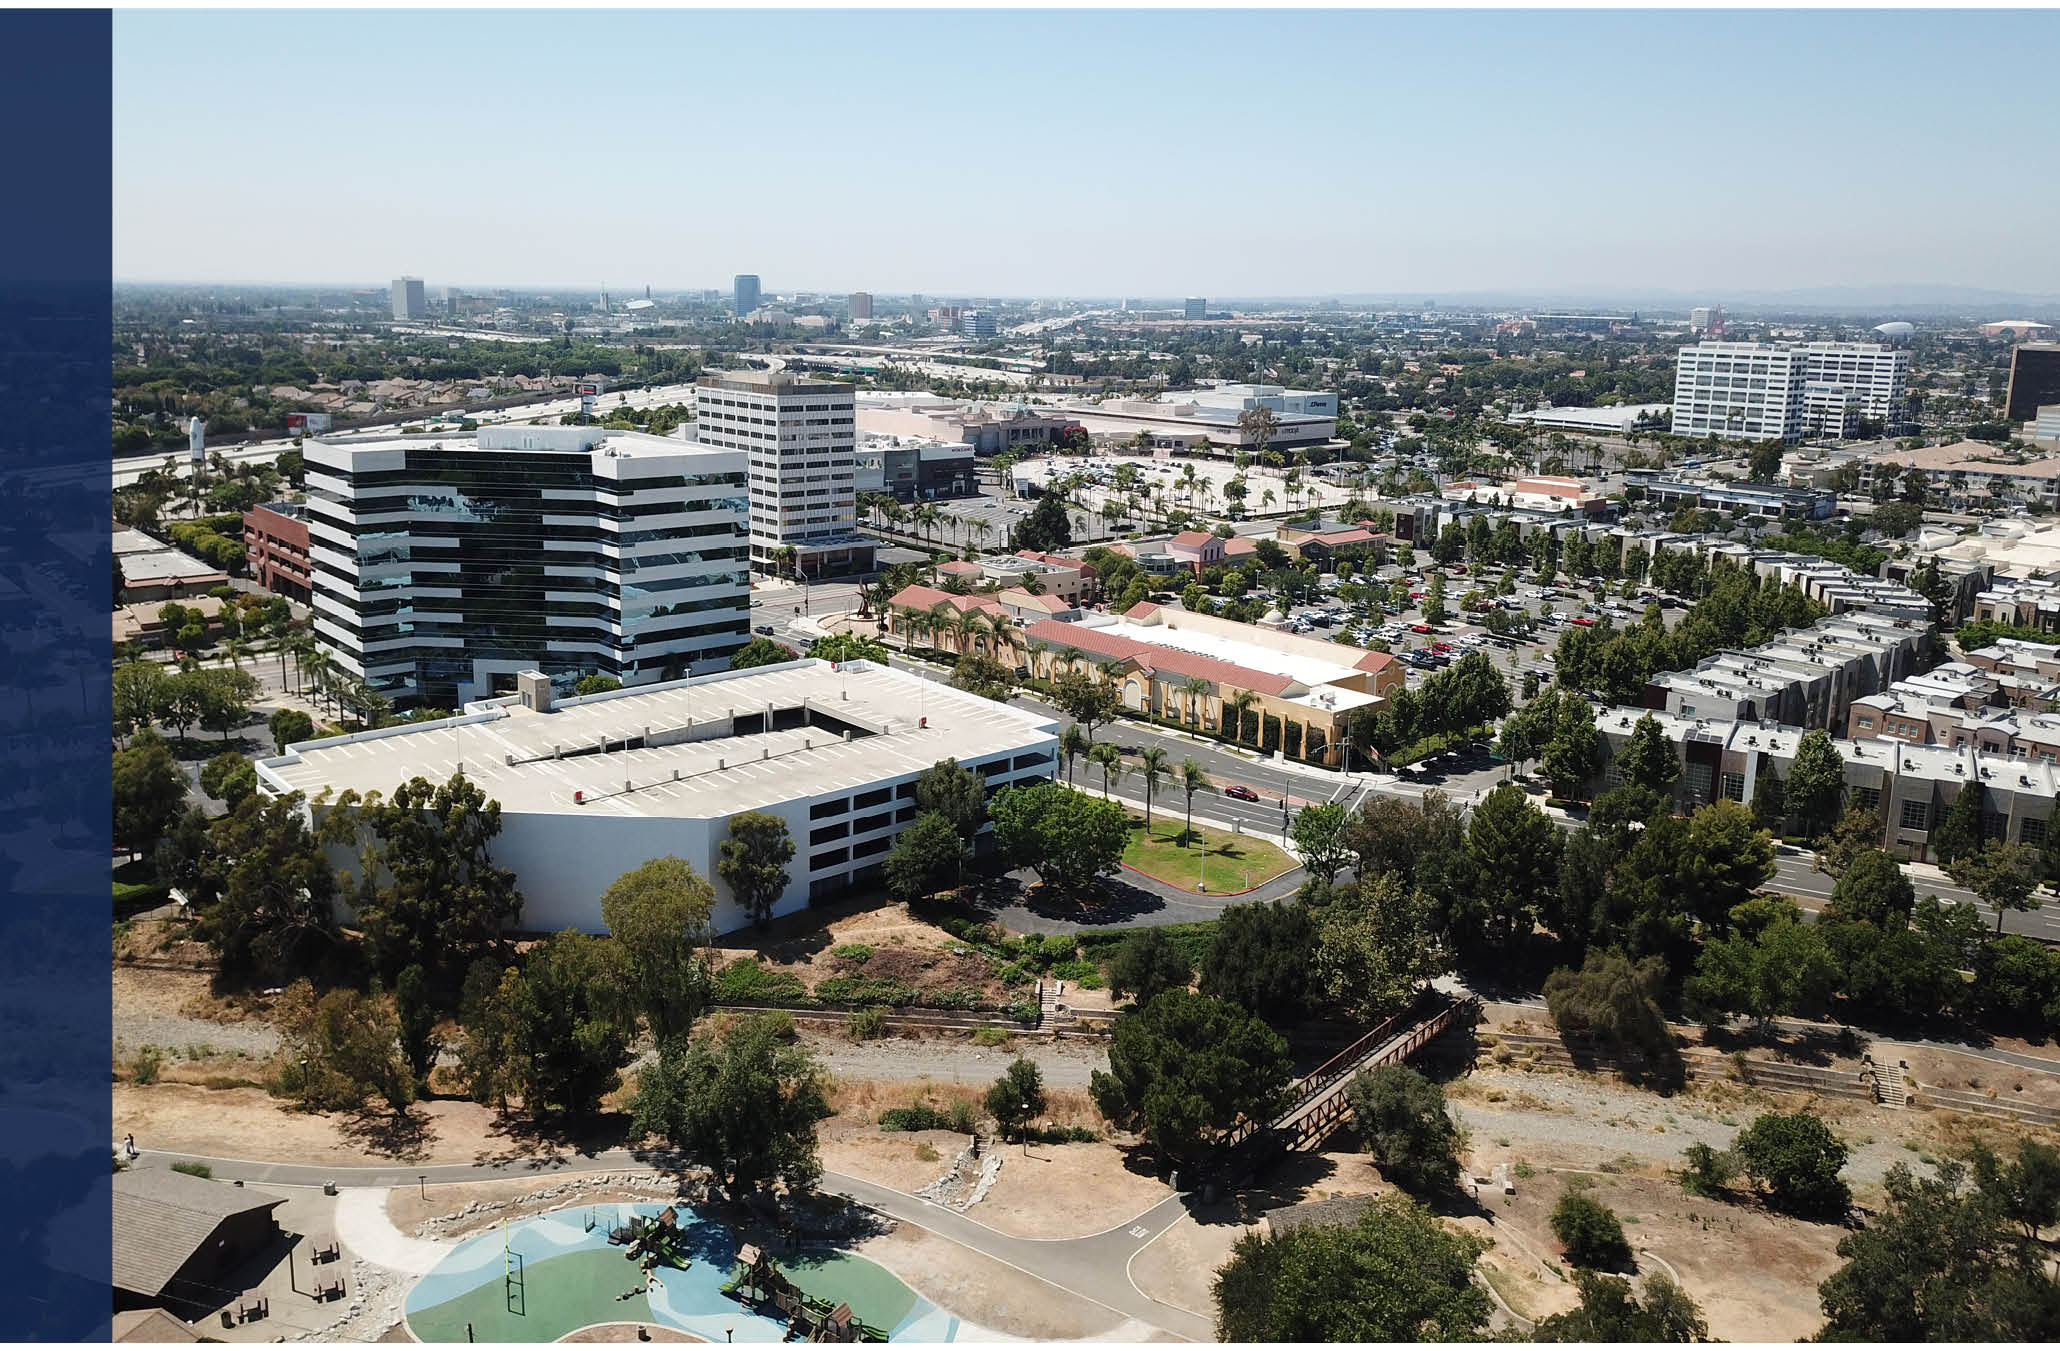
[1734,787]
[1916,815]
[1697,780]
[1867,799]
[2031,831]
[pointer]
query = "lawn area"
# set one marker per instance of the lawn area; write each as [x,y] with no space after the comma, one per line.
[1220,861]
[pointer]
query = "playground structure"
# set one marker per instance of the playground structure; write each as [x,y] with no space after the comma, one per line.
[757,1280]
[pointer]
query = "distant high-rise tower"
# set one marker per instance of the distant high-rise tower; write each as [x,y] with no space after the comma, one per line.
[744,293]
[410,301]
[861,303]
[1197,307]
[647,290]
[915,305]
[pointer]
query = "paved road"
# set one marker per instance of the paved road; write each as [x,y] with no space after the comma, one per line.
[1095,1267]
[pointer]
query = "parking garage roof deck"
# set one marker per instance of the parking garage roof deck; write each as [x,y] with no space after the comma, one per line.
[670,743]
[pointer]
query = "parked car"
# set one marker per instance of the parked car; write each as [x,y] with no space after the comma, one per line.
[765,629]
[1419,628]
[1584,621]
[1240,792]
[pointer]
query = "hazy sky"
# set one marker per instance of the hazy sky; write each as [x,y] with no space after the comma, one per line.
[1137,152]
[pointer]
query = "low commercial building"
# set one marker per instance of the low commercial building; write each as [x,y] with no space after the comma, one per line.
[989,428]
[912,469]
[1910,788]
[1614,420]
[1189,668]
[1809,504]
[275,549]
[1533,494]
[591,787]
[145,623]
[152,570]
[1182,420]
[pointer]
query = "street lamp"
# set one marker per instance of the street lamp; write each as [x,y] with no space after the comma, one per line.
[1026,1129]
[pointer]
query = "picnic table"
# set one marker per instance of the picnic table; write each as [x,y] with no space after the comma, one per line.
[323,1248]
[252,1305]
[329,1289]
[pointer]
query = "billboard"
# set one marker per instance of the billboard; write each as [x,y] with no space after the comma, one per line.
[308,424]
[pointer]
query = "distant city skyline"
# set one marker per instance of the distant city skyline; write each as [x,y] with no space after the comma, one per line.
[1229,154]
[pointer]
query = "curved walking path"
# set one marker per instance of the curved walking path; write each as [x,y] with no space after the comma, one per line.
[1094,1267]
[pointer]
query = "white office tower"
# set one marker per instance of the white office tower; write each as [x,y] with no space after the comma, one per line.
[410,300]
[1763,391]
[445,565]
[801,438]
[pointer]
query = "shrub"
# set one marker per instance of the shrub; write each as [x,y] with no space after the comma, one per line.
[853,952]
[1012,974]
[1025,1010]
[1708,1171]
[1059,1135]
[192,1169]
[1797,1159]
[144,1067]
[1593,1235]
[866,990]
[866,1024]
[748,981]
[1074,970]
[956,997]
[990,1036]
[959,1116]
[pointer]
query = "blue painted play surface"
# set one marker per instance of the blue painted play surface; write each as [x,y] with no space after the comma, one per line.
[540,1278]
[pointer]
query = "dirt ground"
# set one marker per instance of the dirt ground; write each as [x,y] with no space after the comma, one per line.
[981,1290]
[408,1207]
[904,1160]
[1181,1264]
[1066,1191]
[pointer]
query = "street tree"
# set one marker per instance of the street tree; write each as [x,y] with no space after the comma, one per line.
[1815,787]
[1319,835]
[660,914]
[1067,838]
[1648,758]
[1515,849]
[1186,1068]
[1783,967]
[228,778]
[273,914]
[149,792]
[2005,876]
[1874,887]
[1086,699]
[743,1101]
[288,726]
[760,651]
[753,862]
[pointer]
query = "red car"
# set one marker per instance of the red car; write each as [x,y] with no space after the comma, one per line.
[1239,791]
[1419,628]
[1584,621]
[1441,646]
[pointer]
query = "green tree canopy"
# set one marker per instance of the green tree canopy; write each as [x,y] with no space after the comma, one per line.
[742,1101]
[1147,965]
[1260,959]
[1319,834]
[1186,1068]
[1067,838]
[956,793]
[1017,1098]
[753,862]
[149,792]
[1874,887]
[1815,787]
[274,908]
[428,891]
[1610,1312]
[928,857]
[1516,850]
[1648,758]
[1397,1275]
[660,914]
[1403,1120]
[760,651]
[228,777]
[1796,1158]
[1376,948]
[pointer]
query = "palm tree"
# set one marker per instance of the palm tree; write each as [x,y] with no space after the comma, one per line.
[235,649]
[1240,703]
[943,619]
[1073,744]
[1151,767]
[914,623]
[1110,760]
[1192,779]
[1196,688]
[969,624]
[1268,499]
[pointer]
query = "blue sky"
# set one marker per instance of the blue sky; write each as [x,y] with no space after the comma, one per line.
[1220,153]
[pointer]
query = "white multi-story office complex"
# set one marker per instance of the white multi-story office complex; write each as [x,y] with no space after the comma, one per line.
[443,566]
[592,786]
[801,438]
[1763,391]
[410,300]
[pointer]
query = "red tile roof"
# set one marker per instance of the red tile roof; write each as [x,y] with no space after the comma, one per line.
[1057,561]
[1192,539]
[1144,609]
[1100,643]
[960,568]
[1375,661]
[928,597]
[1238,546]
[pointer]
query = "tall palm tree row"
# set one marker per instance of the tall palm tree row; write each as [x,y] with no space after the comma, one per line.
[1197,689]
[1240,703]
[1192,779]
[1151,767]
[1073,744]
[1109,760]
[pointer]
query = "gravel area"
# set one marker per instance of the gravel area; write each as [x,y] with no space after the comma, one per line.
[1064,1064]
[1587,1114]
[173,1033]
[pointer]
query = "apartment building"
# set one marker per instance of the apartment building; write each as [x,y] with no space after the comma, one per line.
[1909,787]
[801,441]
[444,566]
[1768,391]
[2031,604]
[1969,473]
[1804,679]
